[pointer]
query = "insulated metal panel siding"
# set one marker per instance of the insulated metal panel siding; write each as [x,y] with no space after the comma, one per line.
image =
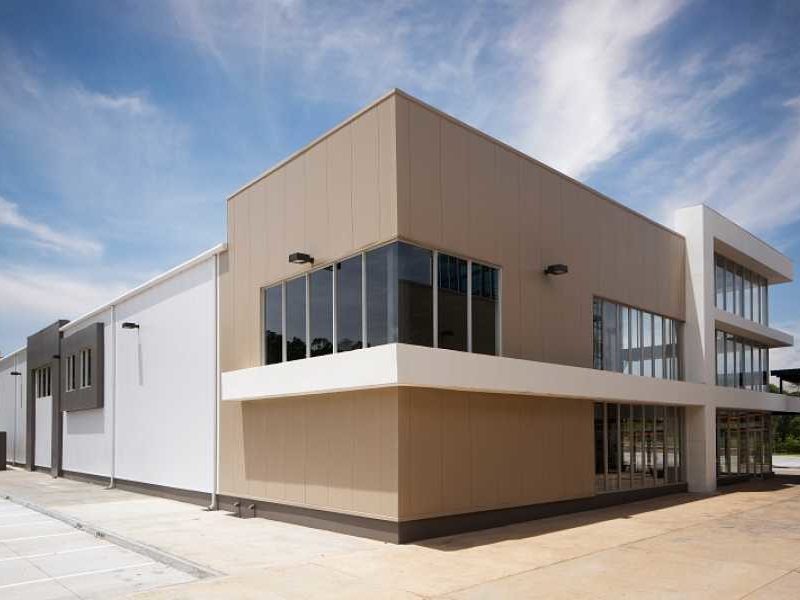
[331,200]
[165,389]
[463,452]
[332,452]
[502,207]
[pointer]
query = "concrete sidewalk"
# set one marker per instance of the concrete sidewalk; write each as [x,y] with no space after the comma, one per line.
[742,542]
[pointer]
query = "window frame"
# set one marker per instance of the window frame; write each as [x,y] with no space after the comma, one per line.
[364,329]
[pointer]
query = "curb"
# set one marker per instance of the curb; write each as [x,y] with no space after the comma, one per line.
[180,564]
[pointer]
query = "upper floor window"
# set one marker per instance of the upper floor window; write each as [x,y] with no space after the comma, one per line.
[741,363]
[740,291]
[384,296]
[86,368]
[636,342]
[70,373]
[42,382]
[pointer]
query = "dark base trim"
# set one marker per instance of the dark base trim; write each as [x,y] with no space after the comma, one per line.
[742,477]
[376,529]
[151,489]
[421,529]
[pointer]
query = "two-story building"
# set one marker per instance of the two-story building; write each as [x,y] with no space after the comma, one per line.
[421,330]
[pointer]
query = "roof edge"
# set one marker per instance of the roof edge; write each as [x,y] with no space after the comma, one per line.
[539,163]
[314,142]
[218,249]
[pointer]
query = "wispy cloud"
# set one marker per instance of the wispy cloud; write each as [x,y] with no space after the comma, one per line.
[588,89]
[43,235]
[34,298]
[94,150]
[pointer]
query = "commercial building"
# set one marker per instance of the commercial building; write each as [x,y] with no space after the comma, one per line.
[423,331]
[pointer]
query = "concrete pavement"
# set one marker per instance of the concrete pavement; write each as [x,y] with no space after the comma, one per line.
[741,542]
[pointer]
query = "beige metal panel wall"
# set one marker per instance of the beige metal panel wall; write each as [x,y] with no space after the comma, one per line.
[334,198]
[465,452]
[334,452]
[461,191]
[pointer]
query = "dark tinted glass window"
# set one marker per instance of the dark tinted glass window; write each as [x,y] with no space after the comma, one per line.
[296,318]
[382,296]
[321,314]
[273,325]
[452,332]
[484,309]
[415,295]
[348,305]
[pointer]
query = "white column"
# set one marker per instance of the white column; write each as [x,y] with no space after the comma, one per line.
[701,448]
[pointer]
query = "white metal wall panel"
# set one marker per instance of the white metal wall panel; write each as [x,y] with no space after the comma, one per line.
[87,433]
[9,389]
[165,382]
[22,408]
[44,432]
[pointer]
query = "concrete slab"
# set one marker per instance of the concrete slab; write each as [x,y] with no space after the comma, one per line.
[48,559]
[743,540]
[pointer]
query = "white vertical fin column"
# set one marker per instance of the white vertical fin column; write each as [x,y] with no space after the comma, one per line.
[701,449]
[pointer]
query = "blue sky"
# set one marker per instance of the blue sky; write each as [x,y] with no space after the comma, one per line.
[123,126]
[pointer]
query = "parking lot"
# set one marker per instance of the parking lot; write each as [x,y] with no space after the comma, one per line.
[44,558]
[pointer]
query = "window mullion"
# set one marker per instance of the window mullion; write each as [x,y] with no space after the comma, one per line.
[283,322]
[435,287]
[469,306]
[364,300]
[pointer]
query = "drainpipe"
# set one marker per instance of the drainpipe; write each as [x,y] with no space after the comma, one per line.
[16,401]
[215,452]
[111,481]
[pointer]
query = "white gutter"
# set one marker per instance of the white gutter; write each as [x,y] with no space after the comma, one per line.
[216,250]
[112,470]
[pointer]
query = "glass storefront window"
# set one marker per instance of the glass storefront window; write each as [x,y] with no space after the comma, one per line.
[320,293]
[743,442]
[386,295]
[636,445]
[635,342]
[739,291]
[740,363]
[452,300]
[485,306]
[296,319]
[349,328]
[273,324]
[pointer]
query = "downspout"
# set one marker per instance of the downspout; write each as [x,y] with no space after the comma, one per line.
[111,479]
[215,451]
[17,384]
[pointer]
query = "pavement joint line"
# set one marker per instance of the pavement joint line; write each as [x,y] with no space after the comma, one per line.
[36,537]
[59,553]
[176,562]
[25,523]
[57,578]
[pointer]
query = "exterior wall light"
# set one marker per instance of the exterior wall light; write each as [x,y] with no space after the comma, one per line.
[16,374]
[130,325]
[301,258]
[557,269]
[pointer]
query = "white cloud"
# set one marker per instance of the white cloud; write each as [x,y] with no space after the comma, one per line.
[43,234]
[754,181]
[99,153]
[588,91]
[33,297]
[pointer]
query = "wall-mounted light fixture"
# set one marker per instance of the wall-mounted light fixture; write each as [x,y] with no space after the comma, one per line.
[301,258]
[557,269]
[16,374]
[130,325]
